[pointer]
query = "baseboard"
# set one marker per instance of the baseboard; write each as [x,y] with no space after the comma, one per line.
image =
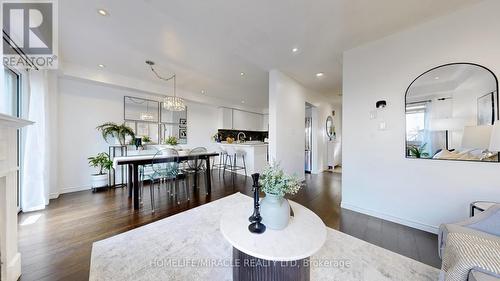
[73,189]
[398,220]
[53,195]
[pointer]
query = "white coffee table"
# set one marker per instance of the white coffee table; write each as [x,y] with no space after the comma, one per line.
[282,254]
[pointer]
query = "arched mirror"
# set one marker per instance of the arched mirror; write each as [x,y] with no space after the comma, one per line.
[330,128]
[450,111]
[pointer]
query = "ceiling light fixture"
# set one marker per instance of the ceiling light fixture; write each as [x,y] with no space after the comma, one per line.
[203,91]
[294,50]
[242,73]
[437,77]
[101,65]
[171,103]
[320,74]
[242,101]
[103,12]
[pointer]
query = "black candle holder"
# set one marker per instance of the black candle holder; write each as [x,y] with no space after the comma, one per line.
[256,226]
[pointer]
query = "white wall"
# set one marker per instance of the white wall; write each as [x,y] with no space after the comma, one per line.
[287,100]
[377,179]
[83,105]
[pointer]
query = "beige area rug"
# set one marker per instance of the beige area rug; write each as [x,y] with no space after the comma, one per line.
[189,246]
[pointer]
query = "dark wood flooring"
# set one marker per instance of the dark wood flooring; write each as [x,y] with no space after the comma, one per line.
[57,246]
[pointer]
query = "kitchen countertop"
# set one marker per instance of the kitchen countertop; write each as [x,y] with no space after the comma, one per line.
[244,144]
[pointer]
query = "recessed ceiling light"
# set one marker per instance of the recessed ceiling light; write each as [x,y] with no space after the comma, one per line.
[437,77]
[242,73]
[102,12]
[101,65]
[242,101]
[203,91]
[320,74]
[294,50]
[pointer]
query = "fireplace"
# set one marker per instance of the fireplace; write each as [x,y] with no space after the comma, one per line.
[10,266]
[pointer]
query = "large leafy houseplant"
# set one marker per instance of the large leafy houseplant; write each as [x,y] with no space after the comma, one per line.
[418,151]
[101,162]
[274,181]
[119,131]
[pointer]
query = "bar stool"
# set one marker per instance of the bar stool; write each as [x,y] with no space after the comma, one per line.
[232,155]
[222,159]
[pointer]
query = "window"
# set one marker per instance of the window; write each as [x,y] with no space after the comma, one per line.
[10,104]
[415,124]
[10,99]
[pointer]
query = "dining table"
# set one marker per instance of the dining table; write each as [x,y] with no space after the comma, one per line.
[133,162]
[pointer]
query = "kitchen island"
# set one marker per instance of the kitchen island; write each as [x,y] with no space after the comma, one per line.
[255,155]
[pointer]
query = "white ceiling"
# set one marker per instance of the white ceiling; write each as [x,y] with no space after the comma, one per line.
[208,43]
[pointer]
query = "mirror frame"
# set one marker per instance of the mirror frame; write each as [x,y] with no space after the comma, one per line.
[326,126]
[497,113]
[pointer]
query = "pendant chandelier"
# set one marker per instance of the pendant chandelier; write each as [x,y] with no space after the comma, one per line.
[170,103]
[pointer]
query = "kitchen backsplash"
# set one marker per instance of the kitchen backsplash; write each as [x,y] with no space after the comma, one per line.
[250,135]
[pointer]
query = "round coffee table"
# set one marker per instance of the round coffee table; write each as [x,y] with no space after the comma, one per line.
[275,254]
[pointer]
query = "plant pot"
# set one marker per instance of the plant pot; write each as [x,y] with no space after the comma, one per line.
[99,180]
[275,211]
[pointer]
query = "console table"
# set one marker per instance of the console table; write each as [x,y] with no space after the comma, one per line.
[275,254]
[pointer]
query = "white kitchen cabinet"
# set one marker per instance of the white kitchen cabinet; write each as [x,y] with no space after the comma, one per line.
[265,122]
[226,118]
[234,119]
[247,121]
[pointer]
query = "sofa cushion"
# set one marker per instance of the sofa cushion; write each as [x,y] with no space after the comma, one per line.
[489,224]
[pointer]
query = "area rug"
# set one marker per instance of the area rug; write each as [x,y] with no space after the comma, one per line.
[190,246]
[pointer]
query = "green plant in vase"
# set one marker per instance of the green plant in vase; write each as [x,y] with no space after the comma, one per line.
[275,210]
[120,132]
[418,151]
[146,139]
[172,140]
[103,163]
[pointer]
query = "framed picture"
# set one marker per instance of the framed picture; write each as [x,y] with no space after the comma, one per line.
[182,122]
[182,133]
[486,109]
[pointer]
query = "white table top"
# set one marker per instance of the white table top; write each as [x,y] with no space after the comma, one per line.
[304,235]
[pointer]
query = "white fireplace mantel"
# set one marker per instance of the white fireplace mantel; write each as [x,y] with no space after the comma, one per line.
[10,258]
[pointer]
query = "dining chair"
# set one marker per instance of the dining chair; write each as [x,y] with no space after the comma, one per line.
[195,165]
[168,172]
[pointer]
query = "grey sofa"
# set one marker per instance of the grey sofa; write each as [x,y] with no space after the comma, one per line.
[485,225]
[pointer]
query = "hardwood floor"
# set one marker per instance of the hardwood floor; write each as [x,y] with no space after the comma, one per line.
[56,243]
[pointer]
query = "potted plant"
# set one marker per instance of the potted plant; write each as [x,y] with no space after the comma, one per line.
[418,151]
[102,163]
[119,132]
[275,210]
[172,140]
[146,139]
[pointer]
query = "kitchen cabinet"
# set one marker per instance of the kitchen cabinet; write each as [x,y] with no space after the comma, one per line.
[226,118]
[234,119]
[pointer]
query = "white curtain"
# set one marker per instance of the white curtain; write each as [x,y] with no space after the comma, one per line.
[35,172]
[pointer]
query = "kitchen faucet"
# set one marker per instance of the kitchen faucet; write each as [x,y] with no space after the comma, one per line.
[238,136]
